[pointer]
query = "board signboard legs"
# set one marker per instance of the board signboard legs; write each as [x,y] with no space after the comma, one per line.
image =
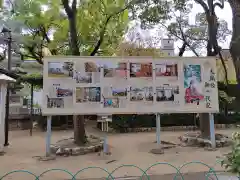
[48,136]
[212,130]
[158,128]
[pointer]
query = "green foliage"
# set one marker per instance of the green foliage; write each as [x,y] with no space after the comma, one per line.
[232,159]
[36,78]
[196,35]
[47,26]
[224,97]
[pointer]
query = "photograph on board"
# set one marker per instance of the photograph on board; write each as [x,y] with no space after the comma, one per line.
[64,92]
[88,94]
[166,93]
[141,94]
[55,102]
[92,67]
[111,103]
[120,92]
[60,69]
[166,70]
[88,72]
[140,69]
[83,77]
[192,84]
[115,69]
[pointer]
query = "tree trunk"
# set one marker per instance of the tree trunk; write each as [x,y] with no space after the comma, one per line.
[79,130]
[212,50]
[204,121]
[79,126]
[235,42]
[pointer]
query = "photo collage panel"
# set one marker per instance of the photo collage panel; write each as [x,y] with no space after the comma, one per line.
[166,70]
[140,94]
[88,95]
[167,93]
[59,96]
[87,88]
[60,69]
[114,97]
[92,72]
[87,73]
[115,70]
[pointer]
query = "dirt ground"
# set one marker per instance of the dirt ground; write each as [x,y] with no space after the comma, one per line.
[128,149]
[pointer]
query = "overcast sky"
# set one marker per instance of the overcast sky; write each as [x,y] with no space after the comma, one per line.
[225,14]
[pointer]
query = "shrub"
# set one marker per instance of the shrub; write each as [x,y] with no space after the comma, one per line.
[231,162]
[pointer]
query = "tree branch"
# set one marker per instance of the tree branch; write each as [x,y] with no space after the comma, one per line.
[181,38]
[67,8]
[102,33]
[182,49]
[204,5]
[34,54]
[74,5]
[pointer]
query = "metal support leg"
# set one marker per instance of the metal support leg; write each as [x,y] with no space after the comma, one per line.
[158,124]
[212,131]
[48,136]
[105,145]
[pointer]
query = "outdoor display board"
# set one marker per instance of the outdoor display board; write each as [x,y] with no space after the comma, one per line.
[115,85]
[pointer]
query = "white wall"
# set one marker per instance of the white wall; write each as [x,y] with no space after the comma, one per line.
[37,97]
[2,113]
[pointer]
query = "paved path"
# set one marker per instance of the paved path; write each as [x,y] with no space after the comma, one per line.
[188,176]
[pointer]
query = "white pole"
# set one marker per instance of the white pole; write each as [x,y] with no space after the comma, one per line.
[105,146]
[158,128]
[212,130]
[107,126]
[48,136]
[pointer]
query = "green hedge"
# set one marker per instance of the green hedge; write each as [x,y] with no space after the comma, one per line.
[148,120]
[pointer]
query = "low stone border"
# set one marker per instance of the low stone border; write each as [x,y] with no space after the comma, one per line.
[77,150]
[195,139]
[179,128]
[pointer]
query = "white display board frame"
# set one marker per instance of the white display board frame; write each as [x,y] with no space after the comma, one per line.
[66,90]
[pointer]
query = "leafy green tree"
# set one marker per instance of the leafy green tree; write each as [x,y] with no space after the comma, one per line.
[207,32]
[235,42]
[231,162]
[85,28]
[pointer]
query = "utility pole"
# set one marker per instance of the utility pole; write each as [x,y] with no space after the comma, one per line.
[9,43]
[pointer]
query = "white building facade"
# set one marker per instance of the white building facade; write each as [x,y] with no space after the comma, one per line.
[167,46]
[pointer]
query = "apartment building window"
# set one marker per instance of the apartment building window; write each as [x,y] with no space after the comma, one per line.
[14,99]
[25,102]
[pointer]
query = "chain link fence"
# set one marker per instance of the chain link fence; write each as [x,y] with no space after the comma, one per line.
[209,175]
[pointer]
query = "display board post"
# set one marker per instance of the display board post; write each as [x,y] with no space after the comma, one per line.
[48,136]
[212,130]
[105,145]
[158,128]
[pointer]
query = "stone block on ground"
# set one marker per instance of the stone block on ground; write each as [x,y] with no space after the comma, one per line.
[195,139]
[159,150]
[67,147]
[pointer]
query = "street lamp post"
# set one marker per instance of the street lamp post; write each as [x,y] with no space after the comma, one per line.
[9,44]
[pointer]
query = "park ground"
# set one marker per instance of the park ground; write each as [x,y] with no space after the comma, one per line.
[130,149]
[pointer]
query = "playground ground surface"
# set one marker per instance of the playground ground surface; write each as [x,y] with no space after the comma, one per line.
[128,149]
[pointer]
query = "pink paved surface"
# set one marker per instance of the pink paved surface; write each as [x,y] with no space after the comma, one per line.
[126,149]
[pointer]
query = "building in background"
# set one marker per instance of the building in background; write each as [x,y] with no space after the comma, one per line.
[20,97]
[167,46]
[231,73]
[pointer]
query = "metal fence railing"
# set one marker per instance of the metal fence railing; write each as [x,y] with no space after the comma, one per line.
[209,175]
